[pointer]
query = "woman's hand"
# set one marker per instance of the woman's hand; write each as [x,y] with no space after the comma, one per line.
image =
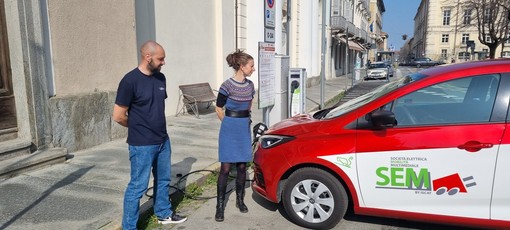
[220,113]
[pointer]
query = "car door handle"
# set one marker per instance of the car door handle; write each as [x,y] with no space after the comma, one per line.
[474,146]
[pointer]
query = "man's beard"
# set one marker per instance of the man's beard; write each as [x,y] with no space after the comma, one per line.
[153,68]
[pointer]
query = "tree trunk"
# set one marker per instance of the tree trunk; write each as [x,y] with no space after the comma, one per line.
[492,50]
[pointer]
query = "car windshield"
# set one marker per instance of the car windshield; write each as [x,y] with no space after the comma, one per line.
[372,95]
[377,65]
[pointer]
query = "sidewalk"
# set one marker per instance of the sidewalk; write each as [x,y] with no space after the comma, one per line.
[86,192]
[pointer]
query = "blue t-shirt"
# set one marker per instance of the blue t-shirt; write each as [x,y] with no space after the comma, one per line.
[145,98]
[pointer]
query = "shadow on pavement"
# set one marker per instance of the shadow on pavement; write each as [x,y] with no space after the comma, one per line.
[71,178]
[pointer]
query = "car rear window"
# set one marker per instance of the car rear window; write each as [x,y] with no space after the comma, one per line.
[378,65]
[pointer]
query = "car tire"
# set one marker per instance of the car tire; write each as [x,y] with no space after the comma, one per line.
[418,66]
[311,210]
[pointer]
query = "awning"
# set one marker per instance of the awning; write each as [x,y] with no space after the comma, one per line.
[353,45]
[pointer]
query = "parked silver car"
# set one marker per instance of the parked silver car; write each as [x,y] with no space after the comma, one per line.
[379,70]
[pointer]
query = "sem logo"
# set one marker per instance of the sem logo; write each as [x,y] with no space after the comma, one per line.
[403,178]
[419,181]
[344,161]
[452,184]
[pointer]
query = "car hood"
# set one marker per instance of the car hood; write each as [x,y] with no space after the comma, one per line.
[296,125]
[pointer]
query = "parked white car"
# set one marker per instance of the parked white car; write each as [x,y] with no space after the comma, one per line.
[379,70]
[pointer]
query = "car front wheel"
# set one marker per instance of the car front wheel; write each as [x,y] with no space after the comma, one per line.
[314,199]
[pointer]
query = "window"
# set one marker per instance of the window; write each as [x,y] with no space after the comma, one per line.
[507,41]
[464,55]
[505,54]
[446,17]
[444,54]
[487,15]
[484,54]
[444,38]
[488,38]
[464,100]
[466,20]
[465,38]
[337,57]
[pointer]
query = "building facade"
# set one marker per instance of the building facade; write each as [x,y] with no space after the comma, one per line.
[61,61]
[351,37]
[378,36]
[443,31]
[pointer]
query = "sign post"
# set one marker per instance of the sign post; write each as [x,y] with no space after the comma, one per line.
[266,61]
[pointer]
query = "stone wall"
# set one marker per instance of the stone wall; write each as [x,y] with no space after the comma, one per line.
[83,121]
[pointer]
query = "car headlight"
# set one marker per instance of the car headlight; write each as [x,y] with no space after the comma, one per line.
[269,141]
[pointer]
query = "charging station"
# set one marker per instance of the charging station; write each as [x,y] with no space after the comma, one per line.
[297,91]
[280,110]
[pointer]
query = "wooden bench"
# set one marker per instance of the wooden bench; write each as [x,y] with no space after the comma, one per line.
[194,94]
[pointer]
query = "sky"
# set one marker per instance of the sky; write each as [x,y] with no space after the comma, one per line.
[398,20]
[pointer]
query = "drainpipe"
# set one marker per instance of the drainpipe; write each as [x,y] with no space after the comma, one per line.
[287,26]
[235,22]
[346,53]
[323,53]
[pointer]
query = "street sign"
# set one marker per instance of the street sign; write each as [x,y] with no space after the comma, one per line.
[269,13]
[269,35]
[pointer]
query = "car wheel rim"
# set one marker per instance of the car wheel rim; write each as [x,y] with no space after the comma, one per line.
[312,201]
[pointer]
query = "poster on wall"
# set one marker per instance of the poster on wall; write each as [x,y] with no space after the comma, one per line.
[266,74]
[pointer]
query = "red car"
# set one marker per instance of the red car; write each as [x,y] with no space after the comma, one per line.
[432,146]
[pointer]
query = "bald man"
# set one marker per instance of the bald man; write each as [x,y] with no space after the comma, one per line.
[140,106]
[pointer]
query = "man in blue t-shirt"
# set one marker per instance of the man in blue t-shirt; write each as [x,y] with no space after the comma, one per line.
[140,106]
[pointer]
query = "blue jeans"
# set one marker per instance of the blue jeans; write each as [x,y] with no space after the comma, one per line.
[143,158]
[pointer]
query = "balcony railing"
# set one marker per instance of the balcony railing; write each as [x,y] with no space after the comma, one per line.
[338,23]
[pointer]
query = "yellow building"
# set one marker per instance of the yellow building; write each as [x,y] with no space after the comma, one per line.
[379,38]
[443,31]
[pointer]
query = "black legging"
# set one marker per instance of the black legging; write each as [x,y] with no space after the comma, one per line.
[225,169]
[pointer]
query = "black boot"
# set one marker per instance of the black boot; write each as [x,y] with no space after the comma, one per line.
[240,198]
[220,205]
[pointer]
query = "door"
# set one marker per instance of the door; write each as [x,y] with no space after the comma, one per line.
[500,205]
[7,108]
[441,156]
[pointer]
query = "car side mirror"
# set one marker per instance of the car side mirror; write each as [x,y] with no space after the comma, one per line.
[383,119]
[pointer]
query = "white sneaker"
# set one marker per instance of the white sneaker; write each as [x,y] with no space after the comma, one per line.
[173,219]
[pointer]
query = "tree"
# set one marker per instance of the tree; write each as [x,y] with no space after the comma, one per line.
[492,21]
